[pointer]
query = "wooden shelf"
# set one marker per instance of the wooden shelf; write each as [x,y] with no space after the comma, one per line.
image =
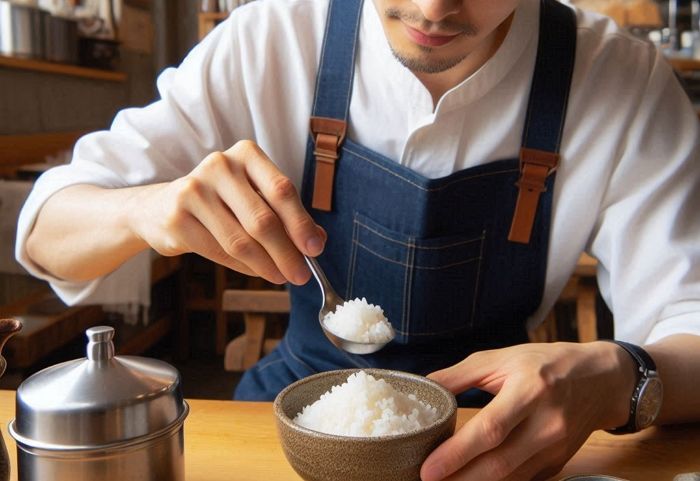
[18,150]
[61,69]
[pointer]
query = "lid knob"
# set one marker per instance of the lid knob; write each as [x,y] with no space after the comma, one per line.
[100,346]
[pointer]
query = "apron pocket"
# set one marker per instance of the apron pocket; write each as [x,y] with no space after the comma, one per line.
[427,286]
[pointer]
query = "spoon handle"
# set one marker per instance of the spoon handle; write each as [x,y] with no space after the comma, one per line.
[319,275]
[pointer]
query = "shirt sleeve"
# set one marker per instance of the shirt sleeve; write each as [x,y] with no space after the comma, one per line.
[198,112]
[647,235]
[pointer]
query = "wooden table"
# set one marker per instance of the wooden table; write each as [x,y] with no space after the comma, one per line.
[237,441]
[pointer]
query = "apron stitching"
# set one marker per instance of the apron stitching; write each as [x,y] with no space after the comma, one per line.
[454,244]
[447,246]
[408,281]
[262,367]
[411,263]
[434,189]
[359,244]
[296,358]
[376,232]
[478,277]
[447,266]
[323,54]
[352,73]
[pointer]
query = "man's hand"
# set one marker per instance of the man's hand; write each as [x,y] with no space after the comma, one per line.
[235,208]
[548,400]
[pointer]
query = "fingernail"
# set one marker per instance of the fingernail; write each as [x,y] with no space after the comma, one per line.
[433,472]
[314,246]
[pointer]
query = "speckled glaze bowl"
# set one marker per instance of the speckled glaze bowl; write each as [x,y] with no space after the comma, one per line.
[318,456]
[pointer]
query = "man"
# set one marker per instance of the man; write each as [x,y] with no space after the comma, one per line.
[462,154]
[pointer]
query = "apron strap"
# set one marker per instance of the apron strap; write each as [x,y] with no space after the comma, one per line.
[334,81]
[328,135]
[546,112]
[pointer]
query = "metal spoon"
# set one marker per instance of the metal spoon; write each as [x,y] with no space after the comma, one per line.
[331,301]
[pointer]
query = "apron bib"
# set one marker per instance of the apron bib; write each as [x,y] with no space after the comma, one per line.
[435,254]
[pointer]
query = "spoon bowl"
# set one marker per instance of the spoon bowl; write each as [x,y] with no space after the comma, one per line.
[331,300]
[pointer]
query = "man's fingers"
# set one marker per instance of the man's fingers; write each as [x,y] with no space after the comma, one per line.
[240,188]
[279,192]
[484,432]
[207,246]
[540,467]
[477,370]
[515,458]
[234,242]
[262,224]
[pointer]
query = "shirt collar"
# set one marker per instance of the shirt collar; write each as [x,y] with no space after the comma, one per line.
[522,33]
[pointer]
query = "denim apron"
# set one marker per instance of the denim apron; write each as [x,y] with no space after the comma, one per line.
[433,253]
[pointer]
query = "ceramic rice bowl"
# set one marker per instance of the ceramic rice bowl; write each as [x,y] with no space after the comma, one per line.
[317,456]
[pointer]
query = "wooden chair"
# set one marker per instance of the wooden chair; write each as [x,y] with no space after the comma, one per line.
[245,350]
[580,290]
[585,297]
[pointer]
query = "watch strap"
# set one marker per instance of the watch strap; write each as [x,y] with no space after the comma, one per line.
[643,359]
[645,363]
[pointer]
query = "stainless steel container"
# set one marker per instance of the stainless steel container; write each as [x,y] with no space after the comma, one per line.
[104,417]
[21,30]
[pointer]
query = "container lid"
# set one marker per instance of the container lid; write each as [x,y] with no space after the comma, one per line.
[98,401]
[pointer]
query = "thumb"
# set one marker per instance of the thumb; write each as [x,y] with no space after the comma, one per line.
[322,232]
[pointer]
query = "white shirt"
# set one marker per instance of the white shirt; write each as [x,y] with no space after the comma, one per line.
[626,190]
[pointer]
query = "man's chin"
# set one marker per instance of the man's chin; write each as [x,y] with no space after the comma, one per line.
[426,61]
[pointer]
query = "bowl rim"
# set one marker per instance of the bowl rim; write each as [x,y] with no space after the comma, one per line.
[444,417]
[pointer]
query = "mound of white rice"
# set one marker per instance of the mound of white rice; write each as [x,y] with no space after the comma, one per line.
[358,321]
[366,406]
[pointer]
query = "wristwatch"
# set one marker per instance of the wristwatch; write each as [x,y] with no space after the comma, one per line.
[648,394]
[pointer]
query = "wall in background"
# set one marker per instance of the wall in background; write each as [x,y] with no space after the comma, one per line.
[32,102]
[175,30]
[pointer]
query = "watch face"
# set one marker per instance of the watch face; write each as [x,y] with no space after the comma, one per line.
[649,401]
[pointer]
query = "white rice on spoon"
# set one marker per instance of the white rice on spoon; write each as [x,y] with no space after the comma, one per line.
[359,321]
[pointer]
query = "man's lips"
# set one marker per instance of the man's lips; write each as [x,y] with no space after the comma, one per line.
[429,40]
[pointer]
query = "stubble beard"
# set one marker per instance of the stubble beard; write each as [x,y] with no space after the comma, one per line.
[422,62]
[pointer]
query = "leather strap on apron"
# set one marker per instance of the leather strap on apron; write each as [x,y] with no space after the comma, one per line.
[535,167]
[539,153]
[328,135]
[328,131]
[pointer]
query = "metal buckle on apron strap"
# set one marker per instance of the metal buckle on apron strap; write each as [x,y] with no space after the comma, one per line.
[535,167]
[328,135]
